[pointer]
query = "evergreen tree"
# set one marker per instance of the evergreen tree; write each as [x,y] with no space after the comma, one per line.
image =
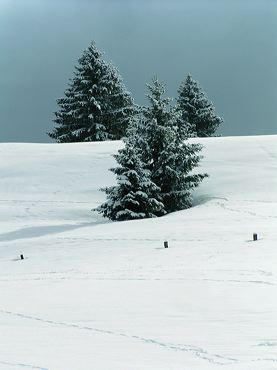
[134,196]
[197,112]
[154,174]
[96,105]
[169,156]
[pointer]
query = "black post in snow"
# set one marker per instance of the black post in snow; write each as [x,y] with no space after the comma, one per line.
[255,236]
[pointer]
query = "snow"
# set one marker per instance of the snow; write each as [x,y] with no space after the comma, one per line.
[95,294]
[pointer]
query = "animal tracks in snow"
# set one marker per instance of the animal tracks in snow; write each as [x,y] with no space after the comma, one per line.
[193,350]
[224,205]
[20,364]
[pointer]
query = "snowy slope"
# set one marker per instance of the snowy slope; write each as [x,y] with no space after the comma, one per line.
[92,294]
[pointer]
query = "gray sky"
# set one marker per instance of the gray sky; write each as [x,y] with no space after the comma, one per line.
[229,46]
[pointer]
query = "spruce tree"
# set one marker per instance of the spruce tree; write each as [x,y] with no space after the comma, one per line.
[96,105]
[154,174]
[134,196]
[197,112]
[170,157]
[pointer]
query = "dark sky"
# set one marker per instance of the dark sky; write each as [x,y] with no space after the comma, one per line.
[229,46]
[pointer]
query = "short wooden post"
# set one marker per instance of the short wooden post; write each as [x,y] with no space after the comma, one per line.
[21,257]
[255,237]
[166,244]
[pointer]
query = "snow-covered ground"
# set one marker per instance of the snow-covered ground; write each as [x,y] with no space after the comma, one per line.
[97,295]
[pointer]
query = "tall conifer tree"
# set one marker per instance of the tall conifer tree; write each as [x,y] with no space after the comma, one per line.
[197,112]
[154,176]
[171,158]
[96,105]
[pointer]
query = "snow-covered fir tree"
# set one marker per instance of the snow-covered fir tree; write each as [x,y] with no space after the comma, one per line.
[96,105]
[135,195]
[197,112]
[169,156]
[154,176]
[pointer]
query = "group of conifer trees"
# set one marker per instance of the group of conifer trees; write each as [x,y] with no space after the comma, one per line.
[154,173]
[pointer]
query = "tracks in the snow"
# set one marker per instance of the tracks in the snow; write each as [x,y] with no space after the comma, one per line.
[20,364]
[224,205]
[193,350]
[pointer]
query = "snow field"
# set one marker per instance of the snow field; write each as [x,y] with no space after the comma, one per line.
[93,294]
